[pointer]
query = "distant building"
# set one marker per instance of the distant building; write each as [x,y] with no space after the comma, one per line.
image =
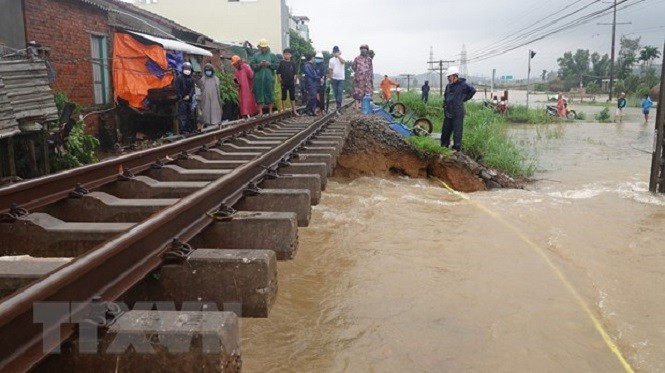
[299,24]
[234,21]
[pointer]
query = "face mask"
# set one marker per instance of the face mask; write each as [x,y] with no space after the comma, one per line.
[208,73]
[187,72]
[318,60]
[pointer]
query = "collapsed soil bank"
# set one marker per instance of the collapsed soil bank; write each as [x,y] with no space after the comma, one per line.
[373,149]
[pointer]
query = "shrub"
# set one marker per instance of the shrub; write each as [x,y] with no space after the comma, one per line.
[604,115]
[228,89]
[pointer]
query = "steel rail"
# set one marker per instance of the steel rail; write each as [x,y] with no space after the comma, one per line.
[114,267]
[36,193]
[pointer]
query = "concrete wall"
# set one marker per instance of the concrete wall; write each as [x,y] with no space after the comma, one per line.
[229,21]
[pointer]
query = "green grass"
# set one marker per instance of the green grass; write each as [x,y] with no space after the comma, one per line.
[485,135]
[520,114]
[428,145]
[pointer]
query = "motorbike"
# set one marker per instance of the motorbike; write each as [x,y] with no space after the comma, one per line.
[553,111]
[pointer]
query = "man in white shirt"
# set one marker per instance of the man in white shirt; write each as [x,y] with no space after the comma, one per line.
[337,75]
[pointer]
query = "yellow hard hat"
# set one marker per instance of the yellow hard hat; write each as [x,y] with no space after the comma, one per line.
[263,43]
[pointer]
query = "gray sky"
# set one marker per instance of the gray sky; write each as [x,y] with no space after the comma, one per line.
[401,32]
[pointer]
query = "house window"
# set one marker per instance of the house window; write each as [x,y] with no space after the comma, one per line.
[100,69]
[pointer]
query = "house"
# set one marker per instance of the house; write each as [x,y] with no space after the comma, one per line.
[78,38]
[229,21]
[299,24]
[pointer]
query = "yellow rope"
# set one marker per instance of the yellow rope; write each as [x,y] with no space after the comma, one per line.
[596,323]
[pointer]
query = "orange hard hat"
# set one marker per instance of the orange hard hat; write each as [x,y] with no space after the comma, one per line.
[235,59]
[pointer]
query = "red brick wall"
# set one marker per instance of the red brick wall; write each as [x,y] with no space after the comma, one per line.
[65,26]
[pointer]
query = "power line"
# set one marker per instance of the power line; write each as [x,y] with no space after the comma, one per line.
[521,31]
[566,27]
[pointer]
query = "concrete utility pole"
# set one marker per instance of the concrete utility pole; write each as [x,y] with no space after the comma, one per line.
[528,77]
[657,182]
[614,37]
[440,69]
[408,81]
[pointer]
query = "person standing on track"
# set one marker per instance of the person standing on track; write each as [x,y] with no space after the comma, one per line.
[244,76]
[313,81]
[264,64]
[286,75]
[363,77]
[321,70]
[211,101]
[185,86]
[457,92]
[337,75]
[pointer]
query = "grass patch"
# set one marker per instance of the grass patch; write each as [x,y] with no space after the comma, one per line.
[428,145]
[520,114]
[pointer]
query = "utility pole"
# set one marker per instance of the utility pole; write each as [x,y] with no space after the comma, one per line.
[657,181]
[440,69]
[528,77]
[408,81]
[614,37]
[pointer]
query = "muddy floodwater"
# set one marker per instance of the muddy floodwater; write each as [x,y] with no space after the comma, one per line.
[402,275]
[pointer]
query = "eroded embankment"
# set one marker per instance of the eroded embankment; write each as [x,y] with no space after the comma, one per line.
[373,149]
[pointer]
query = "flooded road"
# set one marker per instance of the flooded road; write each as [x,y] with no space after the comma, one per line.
[405,276]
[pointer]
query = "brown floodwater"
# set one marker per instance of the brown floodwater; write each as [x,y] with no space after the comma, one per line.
[402,275]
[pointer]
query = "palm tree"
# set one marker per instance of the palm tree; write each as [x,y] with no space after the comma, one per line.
[648,54]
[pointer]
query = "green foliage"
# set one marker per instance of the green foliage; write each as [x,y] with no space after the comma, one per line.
[627,56]
[428,145]
[592,88]
[61,99]
[78,150]
[581,115]
[486,139]
[299,46]
[604,115]
[228,89]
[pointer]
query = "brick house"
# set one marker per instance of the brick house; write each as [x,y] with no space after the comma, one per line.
[78,35]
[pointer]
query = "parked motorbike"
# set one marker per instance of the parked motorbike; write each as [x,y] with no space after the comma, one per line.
[553,111]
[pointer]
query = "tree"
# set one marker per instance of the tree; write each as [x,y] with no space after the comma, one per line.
[627,56]
[648,54]
[600,67]
[574,67]
[299,46]
[543,75]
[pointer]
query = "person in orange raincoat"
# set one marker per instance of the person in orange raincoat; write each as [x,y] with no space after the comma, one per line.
[561,105]
[386,85]
[244,76]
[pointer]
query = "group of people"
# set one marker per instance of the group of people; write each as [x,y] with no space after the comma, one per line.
[257,78]
[646,104]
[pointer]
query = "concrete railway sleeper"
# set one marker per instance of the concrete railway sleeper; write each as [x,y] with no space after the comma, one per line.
[73,243]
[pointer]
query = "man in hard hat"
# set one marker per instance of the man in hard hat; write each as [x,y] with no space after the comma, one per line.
[264,64]
[321,70]
[458,91]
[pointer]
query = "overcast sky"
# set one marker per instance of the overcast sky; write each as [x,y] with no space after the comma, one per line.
[401,32]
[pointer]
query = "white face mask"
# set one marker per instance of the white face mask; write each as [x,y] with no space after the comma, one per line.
[187,72]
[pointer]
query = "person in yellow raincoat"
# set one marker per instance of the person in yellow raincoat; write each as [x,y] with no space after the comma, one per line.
[386,86]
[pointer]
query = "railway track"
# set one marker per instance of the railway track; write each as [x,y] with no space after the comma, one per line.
[107,226]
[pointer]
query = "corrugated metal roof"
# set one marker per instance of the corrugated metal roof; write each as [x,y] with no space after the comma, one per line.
[8,123]
[27,88]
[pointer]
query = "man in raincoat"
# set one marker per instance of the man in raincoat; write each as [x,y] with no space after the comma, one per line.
[386,85]
[457,92]
[264,64]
